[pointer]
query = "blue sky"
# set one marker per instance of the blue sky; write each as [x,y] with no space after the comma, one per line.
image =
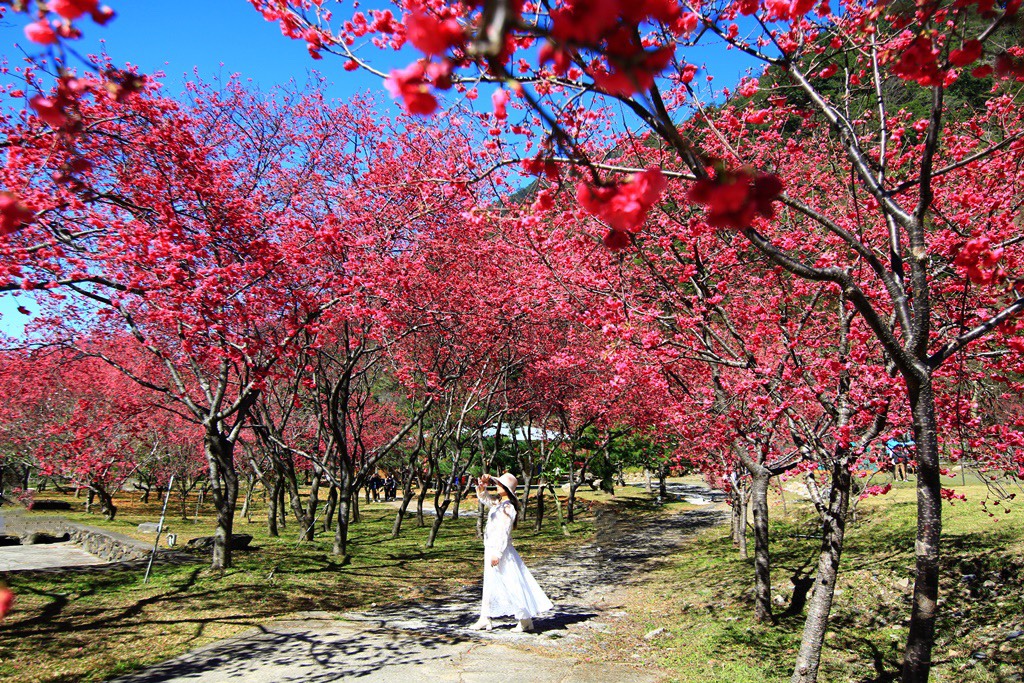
[218,38]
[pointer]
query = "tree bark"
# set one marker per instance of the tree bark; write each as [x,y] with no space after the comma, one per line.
[346,493]
[354,514]
[224,486]
[282,509]
[332,504]
[744,500]
[457,502]
[107,507]
[808,658]
[558,509]
[538,521]
[406,499]
[272,499]
[762,557]
[420,523]
[438,521]
[917,659]
[571,504]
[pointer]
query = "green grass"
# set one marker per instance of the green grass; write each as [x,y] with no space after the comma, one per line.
[703,599]
[89,626]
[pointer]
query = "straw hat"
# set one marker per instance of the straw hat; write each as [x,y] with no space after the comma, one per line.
[509,482]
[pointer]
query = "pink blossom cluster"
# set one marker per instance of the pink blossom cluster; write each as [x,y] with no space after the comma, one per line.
[623,206]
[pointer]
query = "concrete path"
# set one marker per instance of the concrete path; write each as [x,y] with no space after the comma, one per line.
[17,558]
[430,640]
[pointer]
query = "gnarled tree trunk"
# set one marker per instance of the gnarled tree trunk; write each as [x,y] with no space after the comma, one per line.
[224,486]
[819,608]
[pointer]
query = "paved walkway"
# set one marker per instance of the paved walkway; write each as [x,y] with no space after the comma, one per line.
[430,640]
[16,558]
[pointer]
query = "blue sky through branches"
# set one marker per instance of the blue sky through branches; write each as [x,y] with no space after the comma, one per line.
[215,39]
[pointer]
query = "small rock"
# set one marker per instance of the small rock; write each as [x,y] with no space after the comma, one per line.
[953,654]
[989,584]
[50,505]
[149,527]
[238,542]
[651,635]
[904,584]
[1005,646]
[779,601]
[1013,635]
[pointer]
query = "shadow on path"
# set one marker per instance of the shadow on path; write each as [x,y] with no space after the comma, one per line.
[429,640]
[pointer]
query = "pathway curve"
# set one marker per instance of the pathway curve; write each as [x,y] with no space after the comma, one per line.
[429,640]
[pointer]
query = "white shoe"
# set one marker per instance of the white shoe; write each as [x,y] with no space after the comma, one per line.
[483,624]
[524,626]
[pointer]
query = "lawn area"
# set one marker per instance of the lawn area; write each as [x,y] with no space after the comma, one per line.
[90,626]
[702,598]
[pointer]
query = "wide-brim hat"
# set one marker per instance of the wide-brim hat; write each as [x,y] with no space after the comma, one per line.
[508,482]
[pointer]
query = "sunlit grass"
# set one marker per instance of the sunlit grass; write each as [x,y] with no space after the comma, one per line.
[703,599]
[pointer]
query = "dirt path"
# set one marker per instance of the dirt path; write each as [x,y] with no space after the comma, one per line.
[429,640]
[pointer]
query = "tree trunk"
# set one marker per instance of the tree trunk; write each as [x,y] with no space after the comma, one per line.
[282,509]
[200,498]
[458,502]
[438,521]
[571,504]
[662,489]
[558,509]
[332,504]
[741,529]
[808,658]
[107,507]
[420,523]
[346,494]
[406,499]
[538,520]
[224,486]
[524,502]
[247,503]
[356,515]
[762,558]
[917,657]
[90,497]
[272,499]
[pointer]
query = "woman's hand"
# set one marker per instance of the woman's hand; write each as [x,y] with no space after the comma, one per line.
[495,561]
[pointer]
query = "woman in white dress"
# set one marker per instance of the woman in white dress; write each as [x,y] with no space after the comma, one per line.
[509,588]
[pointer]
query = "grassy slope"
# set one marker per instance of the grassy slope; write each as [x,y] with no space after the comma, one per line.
[90,626]
[702,598]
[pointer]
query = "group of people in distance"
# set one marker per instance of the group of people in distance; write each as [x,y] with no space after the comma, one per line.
[381,487]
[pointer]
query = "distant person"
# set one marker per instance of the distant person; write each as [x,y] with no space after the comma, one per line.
[899,457]
[509,588]
[390,485]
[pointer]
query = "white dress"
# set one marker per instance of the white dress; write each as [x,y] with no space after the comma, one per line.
[509,588]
